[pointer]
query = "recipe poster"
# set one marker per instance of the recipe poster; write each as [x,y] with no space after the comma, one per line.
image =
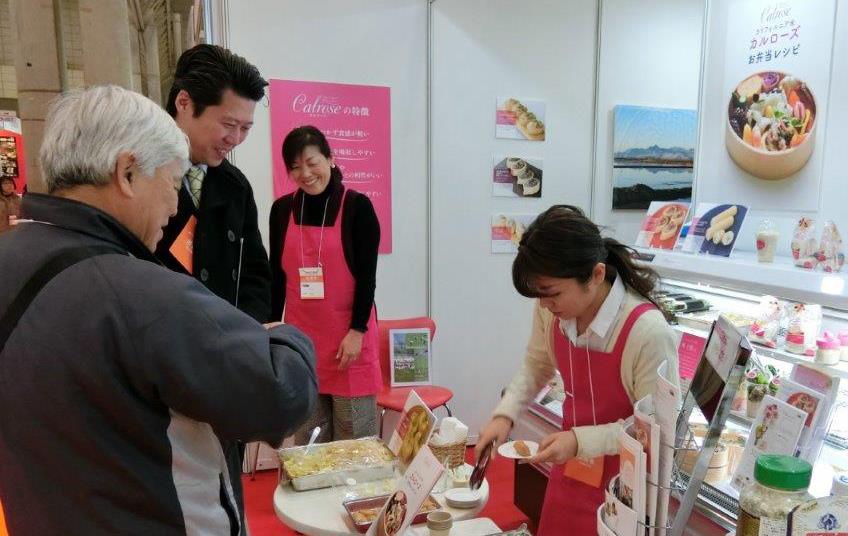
[356,121]
[775,54]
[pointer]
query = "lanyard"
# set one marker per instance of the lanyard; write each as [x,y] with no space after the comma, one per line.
[573,384]
[323,220]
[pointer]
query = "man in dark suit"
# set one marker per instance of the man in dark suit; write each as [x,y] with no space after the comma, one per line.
[215,235]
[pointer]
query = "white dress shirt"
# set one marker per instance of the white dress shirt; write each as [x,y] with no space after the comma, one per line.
[597,336]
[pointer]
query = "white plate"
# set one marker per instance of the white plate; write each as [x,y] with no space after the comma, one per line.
[462,497]
[507,450]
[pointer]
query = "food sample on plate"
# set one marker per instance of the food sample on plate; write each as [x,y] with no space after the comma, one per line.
[336,456]
[521,448]
[417,430]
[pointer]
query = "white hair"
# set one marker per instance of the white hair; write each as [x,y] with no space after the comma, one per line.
[87,129]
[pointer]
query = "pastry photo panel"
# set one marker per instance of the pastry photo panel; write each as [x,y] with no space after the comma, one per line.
[515,176]
[520,119]
[507,230]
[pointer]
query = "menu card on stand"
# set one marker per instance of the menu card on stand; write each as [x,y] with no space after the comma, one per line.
[821,381]
[776,430]
[413,430]
[808,400]
[413,489]
[662,224]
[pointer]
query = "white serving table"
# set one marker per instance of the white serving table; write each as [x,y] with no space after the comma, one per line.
[481,526]
[320,512]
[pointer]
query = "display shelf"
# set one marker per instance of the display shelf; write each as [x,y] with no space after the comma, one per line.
[840,370]
[742,272]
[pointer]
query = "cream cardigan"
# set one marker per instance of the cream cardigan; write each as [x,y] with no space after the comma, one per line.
[651,342]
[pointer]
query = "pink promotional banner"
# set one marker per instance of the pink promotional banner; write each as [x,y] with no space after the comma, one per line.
[356,121]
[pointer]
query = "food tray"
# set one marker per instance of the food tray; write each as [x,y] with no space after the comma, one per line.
[375,504]
[335,463]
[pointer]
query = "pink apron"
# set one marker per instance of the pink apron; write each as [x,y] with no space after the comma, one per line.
[327,321]
[570,505]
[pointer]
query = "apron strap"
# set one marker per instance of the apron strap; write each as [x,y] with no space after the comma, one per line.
[634,315]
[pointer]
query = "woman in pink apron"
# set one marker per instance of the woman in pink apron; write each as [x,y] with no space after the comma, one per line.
[324,240]
[596,323]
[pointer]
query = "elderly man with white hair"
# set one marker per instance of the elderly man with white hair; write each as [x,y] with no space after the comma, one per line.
[118,376]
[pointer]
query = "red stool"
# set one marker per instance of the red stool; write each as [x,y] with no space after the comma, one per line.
[393,398]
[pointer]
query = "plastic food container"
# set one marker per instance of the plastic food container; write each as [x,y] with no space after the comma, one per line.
[780,485]
[363,512]
[333,464]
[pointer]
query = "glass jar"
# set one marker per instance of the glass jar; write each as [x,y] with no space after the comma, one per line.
[780,485]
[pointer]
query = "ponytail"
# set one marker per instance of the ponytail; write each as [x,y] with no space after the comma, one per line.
[641,279]
[563,243]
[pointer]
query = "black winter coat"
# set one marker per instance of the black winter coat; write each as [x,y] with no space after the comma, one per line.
[227,215]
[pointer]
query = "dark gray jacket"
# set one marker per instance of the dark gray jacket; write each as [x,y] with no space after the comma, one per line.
[117,380]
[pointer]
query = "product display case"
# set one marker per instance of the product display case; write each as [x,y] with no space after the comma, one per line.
[735,286]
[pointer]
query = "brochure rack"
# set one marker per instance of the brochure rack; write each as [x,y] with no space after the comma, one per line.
[712,392]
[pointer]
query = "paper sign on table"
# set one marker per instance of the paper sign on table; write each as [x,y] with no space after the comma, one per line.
[413,489]
[776,430]
[413,430]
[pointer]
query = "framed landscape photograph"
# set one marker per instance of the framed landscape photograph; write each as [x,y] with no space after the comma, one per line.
[653,156]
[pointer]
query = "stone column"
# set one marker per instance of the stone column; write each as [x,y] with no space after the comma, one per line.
[105,27]
[151,38]
[177,30]
[37,71]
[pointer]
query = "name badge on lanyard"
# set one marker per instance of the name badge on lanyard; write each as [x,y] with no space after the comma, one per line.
[311,283]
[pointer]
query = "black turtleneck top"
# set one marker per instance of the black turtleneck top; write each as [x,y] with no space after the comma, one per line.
[360,242]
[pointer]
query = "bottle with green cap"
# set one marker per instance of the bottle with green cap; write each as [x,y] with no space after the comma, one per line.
[780,485]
